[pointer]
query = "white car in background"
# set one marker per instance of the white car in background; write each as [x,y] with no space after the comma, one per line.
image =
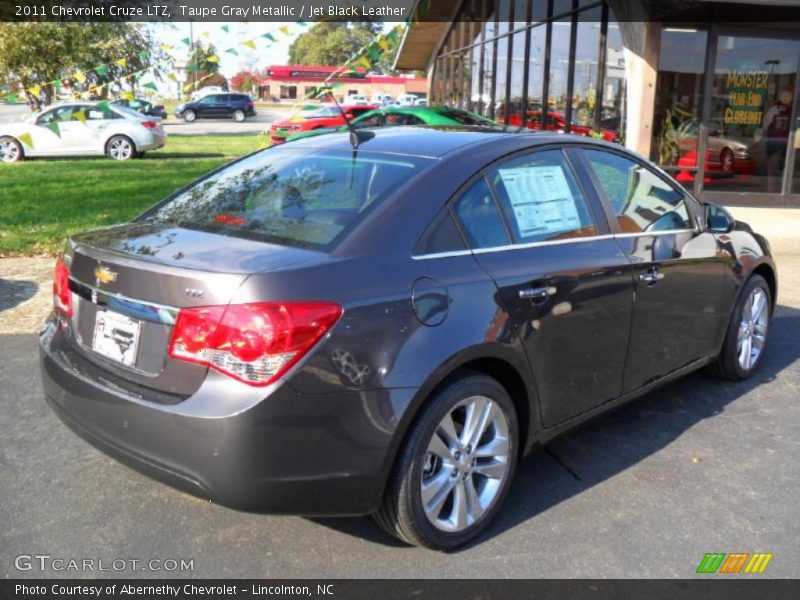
[356,100]
[407,99]
[81,129]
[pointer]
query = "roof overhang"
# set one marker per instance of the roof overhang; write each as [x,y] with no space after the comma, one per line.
[422,38]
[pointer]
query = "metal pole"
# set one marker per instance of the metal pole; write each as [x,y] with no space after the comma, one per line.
[705,114]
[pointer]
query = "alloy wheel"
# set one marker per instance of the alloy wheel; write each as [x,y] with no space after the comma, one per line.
[9,151]
[465,464]
[120,149]
[752,329]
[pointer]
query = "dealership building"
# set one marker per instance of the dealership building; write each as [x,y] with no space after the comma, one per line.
[295,82]
[637,69]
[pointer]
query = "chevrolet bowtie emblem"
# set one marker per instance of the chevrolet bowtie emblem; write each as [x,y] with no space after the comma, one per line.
[104,275]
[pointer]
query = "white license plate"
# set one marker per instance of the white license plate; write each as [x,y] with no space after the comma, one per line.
[116,337]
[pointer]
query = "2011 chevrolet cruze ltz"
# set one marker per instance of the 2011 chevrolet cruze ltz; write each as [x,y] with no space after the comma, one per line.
[386,322]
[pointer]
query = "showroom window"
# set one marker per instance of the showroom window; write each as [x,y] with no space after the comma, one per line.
[494,61]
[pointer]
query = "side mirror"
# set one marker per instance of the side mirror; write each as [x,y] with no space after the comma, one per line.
[718,220]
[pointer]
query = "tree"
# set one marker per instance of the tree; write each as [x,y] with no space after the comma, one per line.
[330,43]
[38,53]
[244,81]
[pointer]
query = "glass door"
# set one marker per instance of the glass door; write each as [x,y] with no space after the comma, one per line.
[750,129]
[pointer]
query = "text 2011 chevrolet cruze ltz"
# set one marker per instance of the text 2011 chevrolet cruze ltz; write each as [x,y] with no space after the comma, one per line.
[350,326]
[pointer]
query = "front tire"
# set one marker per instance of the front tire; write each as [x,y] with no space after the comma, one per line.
[238,116]
[454,470]
[120,147]
[190,116]
[746,337]
[10,150]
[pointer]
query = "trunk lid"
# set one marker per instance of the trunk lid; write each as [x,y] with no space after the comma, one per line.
[146,272]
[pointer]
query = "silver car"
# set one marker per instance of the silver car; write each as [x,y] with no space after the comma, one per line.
[81,129]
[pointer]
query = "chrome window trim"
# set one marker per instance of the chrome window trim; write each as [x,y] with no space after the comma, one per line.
[508,247]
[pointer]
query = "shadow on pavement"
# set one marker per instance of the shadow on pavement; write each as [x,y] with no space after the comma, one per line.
[626,436]
[15,292]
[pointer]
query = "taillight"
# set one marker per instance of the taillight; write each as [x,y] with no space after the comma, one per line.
[250,104]
[150,124]
[62,297]
[254,343]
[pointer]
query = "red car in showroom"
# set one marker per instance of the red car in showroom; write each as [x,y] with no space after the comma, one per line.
[557,122]
[327,115]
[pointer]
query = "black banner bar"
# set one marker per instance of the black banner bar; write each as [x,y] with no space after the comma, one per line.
[733,588]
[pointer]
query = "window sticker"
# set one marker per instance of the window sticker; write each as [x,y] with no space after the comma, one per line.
[541,199]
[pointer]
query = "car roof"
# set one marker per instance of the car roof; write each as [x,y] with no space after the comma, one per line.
[433,142]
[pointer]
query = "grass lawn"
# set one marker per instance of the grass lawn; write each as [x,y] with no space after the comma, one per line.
[43,201]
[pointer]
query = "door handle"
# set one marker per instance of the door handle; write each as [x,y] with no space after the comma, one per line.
[537,293]
[651,276]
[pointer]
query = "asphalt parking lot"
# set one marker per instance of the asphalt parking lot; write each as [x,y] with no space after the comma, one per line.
[698,466]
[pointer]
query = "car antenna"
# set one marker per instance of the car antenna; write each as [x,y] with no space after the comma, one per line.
[357,136]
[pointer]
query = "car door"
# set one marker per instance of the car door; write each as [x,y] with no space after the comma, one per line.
[208,107]
[678,267]
[60,131]
[561,277]
[99,119]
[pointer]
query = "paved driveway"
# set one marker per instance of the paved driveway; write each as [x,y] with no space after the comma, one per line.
[699,466]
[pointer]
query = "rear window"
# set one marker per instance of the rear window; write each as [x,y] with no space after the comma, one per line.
[465,118]
[297,197]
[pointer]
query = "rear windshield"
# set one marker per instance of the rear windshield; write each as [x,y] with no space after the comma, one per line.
[306,198]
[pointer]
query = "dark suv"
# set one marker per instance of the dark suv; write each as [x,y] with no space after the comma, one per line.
[217,106]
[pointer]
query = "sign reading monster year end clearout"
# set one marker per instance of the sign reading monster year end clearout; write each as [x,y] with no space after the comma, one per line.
[746,92]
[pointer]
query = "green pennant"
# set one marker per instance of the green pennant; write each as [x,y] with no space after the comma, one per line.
[374,53]
[392,35]
[150,86]
[302,24]
[225,28]
[102,105]
[101,70]
[54,128]
[232,51]
[270,37]
[193,68]
[57,85]
[143,55]
[187,41]
[11,98]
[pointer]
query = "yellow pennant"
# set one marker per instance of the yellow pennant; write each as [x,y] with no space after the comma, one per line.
[250,44]
[171,76]
[79,76]
[383,43]
[127,95]
[212,59]
[284,30]
[122,62]
[79,115]
[35,90]
[206,34]
[167,47]
[26,139]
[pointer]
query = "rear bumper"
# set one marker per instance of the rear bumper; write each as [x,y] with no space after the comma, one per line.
[284,453]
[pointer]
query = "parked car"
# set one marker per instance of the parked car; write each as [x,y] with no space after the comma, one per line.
[407,99]
[356,100]
[381,99]
[389,117]
[327,115]
[556,122]
[142,106]
[322,329]
[217,106]
[725,153]
[84,129]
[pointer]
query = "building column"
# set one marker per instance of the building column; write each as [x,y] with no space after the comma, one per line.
[642,41]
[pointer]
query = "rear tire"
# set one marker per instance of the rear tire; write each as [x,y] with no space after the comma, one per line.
[10,150]
[121,148]
[190,116]
[455,467]
[746,337]
[238,116]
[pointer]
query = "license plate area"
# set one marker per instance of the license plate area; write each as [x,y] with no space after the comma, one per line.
[116,337]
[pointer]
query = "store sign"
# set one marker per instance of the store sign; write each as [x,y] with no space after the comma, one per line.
[746,92]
